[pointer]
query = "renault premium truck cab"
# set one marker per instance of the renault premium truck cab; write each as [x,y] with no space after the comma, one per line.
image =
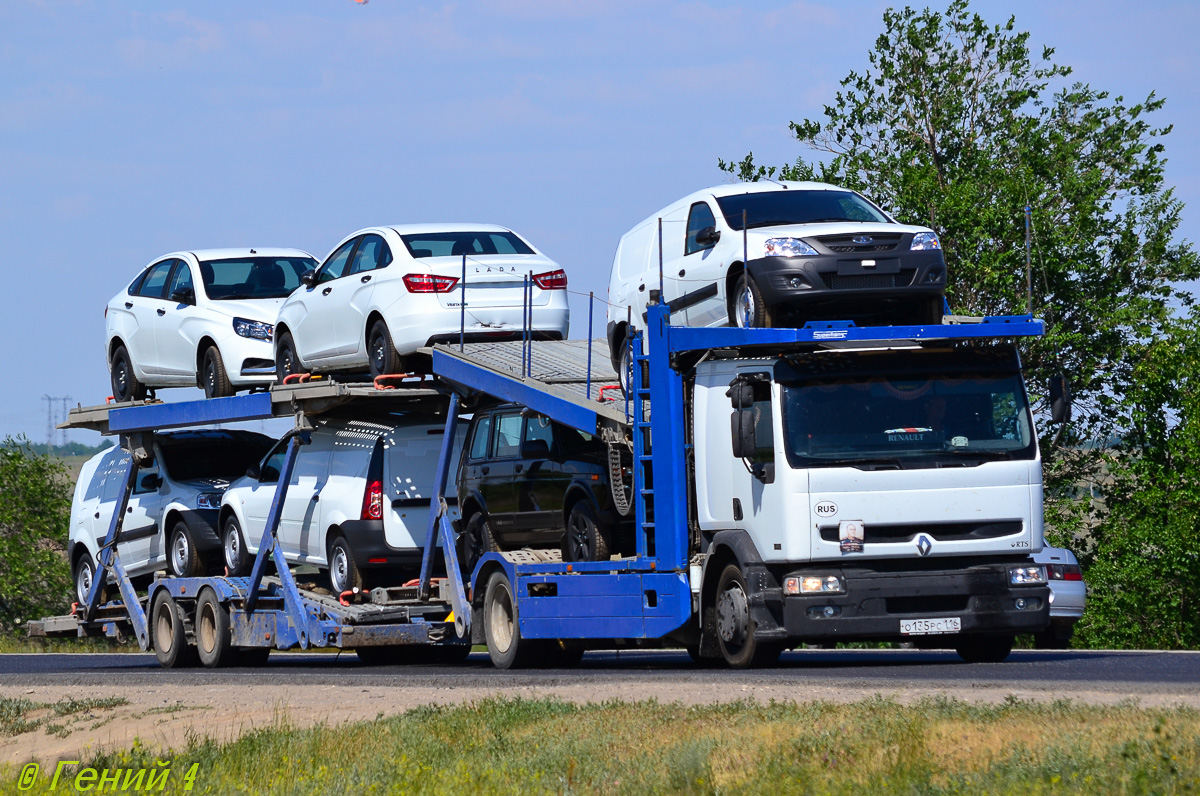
[888,493]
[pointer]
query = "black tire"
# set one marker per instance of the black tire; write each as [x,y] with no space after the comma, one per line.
[233,548]
[734,625]
[476,540]
[502,627]
[287,362]
[344,574]
[1053,638]
[214,642]
[381,353]
[931,311]
[585,539]
[182,557]
[83,574]
[252,656]
[167,633]
[623,364]
[747,303]
[125,384]
[984,649]
[213,378]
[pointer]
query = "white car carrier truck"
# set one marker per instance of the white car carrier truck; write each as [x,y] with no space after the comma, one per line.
[816,485]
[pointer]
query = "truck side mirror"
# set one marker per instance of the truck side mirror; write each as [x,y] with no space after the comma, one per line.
[708,236]
[741,422]
[1060,399]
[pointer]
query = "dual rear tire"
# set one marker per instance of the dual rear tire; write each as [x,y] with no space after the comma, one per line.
[212,634]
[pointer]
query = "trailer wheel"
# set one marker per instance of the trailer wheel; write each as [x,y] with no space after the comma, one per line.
[735,628]
[184,559]
[233,544]
[213,639]
[984,649]
[166,631]
[85,572]
[584,539]
[501,625]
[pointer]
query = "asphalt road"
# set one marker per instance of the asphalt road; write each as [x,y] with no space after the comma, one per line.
[1131,673]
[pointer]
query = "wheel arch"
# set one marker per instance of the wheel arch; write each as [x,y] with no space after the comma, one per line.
[736,269]
[576,492]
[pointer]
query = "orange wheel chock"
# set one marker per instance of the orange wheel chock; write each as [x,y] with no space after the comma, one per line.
[382,381]
[606,388]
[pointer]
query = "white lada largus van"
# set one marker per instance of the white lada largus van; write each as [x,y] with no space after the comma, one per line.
[357,504]
[775,254]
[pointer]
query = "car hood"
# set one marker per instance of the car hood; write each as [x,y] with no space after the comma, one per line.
[265,309]
[206,484]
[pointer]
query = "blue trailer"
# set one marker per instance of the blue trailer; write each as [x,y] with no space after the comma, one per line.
[529,606]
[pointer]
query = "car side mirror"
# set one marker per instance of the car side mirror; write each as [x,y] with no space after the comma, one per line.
[308,278]
[151,482]
[1060,399]
[708,236]
[253,471]
[184,295]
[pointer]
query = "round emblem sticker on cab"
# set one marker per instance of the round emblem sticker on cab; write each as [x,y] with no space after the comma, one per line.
[826,508]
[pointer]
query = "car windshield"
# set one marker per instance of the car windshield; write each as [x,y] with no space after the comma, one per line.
[793,206]
[219,458]
[456,244]
[253,277]
[907,418]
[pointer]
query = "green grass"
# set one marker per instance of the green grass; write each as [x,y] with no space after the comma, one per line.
[936,746]
[19,716]
[16,644]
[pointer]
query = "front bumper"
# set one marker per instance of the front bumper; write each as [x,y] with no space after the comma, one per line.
[841,278]
[203,523]
[876,601]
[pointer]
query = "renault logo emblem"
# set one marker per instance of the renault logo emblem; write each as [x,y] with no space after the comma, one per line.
[862,239]
[924,545]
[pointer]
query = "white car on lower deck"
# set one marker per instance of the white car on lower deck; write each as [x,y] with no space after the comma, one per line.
[202,318]
[385,292]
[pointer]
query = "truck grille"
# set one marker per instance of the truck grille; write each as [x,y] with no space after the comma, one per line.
[869,281]
[944,532]
[880,242]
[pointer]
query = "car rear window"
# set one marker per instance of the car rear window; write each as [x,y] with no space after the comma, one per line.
[456,244]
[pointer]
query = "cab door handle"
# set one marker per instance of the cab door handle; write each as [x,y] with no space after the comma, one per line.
[316,497]
[365,279]
[326,291]
[519,468]
[485,471]
[161,311]
[128,305]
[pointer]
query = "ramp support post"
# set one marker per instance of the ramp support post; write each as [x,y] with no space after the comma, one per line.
[437,506]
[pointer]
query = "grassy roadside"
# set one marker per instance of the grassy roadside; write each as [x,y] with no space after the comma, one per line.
[22,644]
[545,746]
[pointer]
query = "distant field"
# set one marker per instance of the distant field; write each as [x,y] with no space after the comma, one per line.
[936,746]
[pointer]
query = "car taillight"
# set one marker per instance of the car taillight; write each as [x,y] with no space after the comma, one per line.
[428,283]
[372,508]
[1064,572]
[551,280]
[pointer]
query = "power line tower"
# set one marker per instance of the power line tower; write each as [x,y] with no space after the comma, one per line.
[66,409]
[49,399]
[57,409]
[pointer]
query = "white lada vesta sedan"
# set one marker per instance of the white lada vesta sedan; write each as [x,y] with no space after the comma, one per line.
[201,318]
[385,292]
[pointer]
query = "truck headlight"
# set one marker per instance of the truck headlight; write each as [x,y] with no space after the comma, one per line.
[208,500]
[788,247]
[814,584]
[255,330]
[925,241]
[1027,576]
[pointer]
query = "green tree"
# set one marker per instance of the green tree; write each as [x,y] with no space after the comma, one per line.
[955,125]
[35,513]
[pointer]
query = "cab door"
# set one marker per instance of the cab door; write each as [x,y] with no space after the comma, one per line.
[497,473]
[701,271]
[538,482]
[372,254]
[176,350]
[144,309]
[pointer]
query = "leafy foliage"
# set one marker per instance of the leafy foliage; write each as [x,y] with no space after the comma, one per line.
[956,126]
[35,513]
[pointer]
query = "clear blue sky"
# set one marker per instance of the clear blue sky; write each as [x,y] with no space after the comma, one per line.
[128,130]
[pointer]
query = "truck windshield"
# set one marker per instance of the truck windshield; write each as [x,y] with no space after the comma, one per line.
[907,419]
[779,208]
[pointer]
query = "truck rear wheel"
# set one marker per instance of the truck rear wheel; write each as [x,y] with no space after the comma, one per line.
[213,639]
[501,625]
[735,628]
[984,649]
[167,633]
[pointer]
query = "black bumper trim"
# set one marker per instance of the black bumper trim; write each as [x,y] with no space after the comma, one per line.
[774,276]
[367,542]
[203,524]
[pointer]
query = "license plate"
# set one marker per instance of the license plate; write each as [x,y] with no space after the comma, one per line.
[929,627]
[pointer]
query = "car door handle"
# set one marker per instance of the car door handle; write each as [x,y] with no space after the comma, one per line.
[326,291]
[97,515]
[129,509]
[161,311]
[128,305]
[682,271]
[484,470]
[519,468]
[365,279]
[641,288]
[316,497]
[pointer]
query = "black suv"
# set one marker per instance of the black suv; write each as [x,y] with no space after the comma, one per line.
[525,481]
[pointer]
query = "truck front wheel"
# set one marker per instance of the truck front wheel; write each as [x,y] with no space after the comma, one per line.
[984,649]
[735,628]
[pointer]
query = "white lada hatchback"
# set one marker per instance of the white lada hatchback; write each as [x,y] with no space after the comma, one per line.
[201,318]
[385,292]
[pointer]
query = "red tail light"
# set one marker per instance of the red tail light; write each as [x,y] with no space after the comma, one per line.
[1064,572]
[428,283]
[551,280]
[372,508]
